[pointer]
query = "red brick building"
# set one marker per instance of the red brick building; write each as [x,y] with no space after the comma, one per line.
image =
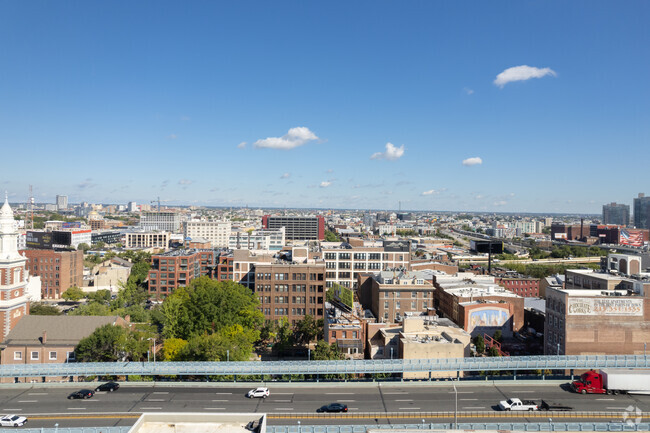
[59,270]
[290,290]
[522,286]
[176,269]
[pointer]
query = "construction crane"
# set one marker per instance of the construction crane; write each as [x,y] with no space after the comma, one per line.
[157,201]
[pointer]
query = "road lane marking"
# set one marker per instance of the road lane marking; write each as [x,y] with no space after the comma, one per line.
[27,401]
[606,399]
[283,408]
[220,400]
[11,410]
[461,392]
[339,393]
[283,393]
[282,401]
[214,408]
[403,400]
[468,399]
[474,407]
[392,393]
[409,408]
[156,399]
[76,408]
[37,393]
[223,393]
[621,408]
[525,392]
[150,408]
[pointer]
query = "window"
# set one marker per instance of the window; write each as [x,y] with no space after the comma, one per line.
[52,356]
[18,356]
[34,356]
[414,294]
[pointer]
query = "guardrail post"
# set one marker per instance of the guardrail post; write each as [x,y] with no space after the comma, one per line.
[514,374]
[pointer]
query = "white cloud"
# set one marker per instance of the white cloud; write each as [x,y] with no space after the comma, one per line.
[185,182]
[330,170]
[431,192]
[285,176]
[242,145]
[468,91]
[500,203]
[472,161]
[392,153]
[325,184]
[172,136]
[522,73]
[294,138]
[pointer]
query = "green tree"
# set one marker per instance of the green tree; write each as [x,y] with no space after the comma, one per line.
[493,351]
[105,344]
[74,294]
[99,245]
[284,338]
[83,247]
[101,296]
[497,335]
[306,330]
[331,236]
[326,352]
[91,309]
[44,310]
[479,343]
[172,347]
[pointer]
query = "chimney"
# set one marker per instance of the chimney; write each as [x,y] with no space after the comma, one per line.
[127,318]
[44,337]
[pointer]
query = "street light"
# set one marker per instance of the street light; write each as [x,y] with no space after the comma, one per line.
[153,340]
[308,354]
[228,355]
[391,353]
[558,348]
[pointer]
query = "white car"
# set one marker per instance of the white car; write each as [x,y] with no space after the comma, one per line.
[12,421]
[258,393]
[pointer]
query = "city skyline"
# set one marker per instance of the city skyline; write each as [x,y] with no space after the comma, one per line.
[507,107]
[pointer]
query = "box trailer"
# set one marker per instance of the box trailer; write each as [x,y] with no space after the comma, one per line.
[613,381]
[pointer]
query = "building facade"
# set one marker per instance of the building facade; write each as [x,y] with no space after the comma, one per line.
[265,239]
[216,232]
[14,303]
[59,270]
[306,228]
[642,212]
[399,294]
[167,221]
[290,290]
[141,240]
[615,213]
[61,202]
[176,269]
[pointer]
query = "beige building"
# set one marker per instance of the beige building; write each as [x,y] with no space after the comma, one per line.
[422,337]
[578,279]
[216,232]
[109,275]
[49,339]
[399,293]
[139,240]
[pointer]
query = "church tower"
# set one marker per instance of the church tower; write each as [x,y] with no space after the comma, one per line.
[13,273]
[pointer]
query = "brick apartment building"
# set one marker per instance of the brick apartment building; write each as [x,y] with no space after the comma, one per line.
[59,270]
[297,227]
[146,240]
[398,294]
[176,269]
[520,285]
[290,290]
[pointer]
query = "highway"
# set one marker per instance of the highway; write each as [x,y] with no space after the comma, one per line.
[289,403]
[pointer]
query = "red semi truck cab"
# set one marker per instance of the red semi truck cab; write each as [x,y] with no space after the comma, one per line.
[590,382]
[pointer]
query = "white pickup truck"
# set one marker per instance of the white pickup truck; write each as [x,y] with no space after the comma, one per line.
[517,404]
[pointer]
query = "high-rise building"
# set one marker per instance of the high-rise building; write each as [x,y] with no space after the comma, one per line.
[61,202]
[167,221]
[13,273]
[217,232]
[642,212]
[297,227]
[132,207]
[59,270]
[615,213]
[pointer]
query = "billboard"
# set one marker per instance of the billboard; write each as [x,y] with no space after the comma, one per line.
[485,247]
[61,238]
[40,240]
[561,236]
[72,225]
[633,238]
[492,317]
[605,307]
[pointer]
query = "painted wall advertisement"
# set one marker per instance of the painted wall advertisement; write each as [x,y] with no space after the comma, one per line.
[488,317]
[605,307]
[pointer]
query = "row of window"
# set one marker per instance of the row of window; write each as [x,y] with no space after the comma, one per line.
[414,306]
[414,294]
[35,355]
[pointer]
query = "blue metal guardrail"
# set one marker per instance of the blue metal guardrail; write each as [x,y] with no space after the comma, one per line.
[533,427]
[517,363]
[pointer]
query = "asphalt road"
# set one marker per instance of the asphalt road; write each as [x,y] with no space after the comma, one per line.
[289,403]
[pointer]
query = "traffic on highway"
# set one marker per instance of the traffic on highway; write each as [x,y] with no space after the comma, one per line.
[287,403]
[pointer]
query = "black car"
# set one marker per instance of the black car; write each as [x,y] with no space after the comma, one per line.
[82,393]
[333,407]
[108,386]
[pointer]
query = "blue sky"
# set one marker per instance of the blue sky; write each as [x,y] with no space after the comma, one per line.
[286,103]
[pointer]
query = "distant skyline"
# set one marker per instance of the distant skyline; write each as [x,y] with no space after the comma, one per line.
[531,107]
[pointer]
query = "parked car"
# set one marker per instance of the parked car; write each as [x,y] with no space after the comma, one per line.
[260,392]
[108,386]
[12,421]
[82,393]
[333,407]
